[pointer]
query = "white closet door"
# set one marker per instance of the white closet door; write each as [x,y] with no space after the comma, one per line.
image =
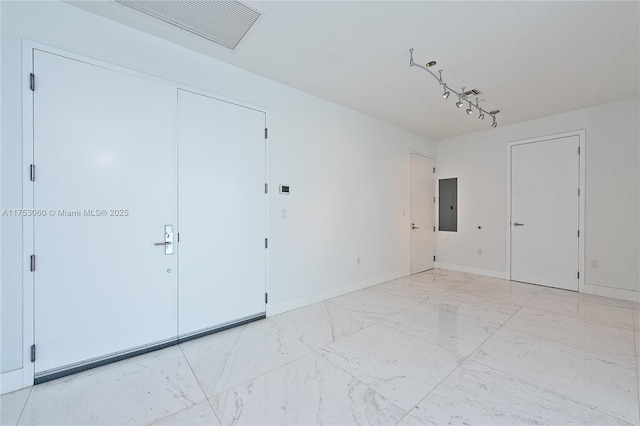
[222,212]
[104,152]
[545,212]
[422,213]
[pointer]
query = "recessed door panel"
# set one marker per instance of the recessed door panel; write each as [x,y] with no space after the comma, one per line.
[544,212]
[104,151]
[222,212]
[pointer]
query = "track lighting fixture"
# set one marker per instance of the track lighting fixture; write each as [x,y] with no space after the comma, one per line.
[462,95]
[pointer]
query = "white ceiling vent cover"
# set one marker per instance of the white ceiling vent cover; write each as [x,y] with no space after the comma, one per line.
[222,22]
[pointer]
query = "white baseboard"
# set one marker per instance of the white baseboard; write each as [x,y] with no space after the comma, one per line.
[615,293]
[471,270]
[299,302]
[11,381]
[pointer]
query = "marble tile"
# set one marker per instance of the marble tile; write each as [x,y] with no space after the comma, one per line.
[11,405]
[611,316]
[310,390]
[477,394]
[397,365]
[139,390]
[443,326]
[226,359]
[589,298]
[475,307]
[320,324]
[501,292]
[199,414]
[572,331]
[591,379]
[374,305]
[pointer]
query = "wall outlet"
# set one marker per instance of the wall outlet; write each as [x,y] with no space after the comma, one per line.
[593,263]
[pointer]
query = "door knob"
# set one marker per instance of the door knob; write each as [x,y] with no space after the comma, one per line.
[413,226]
[518,224]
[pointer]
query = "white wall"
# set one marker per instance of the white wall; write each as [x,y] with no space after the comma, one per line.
[349,173]
[612,223]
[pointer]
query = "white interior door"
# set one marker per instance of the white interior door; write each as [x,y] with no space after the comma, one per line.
[545,212]
[104,155]
[422,213]
[222,212]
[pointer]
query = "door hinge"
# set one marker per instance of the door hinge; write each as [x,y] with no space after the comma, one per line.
[578,150]
[578,233]
[434,199]
[578,274]
[178,235]
[434,258]
[266,188]
[434,170]
[32,172]
[434,228]
[266,133]
[33,262]
[32,82]
[33,353]
[578,192]
[266,298]
[266,243]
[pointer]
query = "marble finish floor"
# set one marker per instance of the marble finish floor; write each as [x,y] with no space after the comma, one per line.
[439,347]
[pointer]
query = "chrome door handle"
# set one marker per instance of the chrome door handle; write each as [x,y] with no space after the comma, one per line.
[518,224]
[168,240]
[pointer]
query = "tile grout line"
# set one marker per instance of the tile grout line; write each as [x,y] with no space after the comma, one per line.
[24,406]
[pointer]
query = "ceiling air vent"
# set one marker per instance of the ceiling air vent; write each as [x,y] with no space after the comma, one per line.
[222,22]
[472,92]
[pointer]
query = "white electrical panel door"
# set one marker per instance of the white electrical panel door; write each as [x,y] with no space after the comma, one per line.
[422,214]
[545,212]
[105,174]
[222,212]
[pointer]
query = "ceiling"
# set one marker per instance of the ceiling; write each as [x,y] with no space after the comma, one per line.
[529,59]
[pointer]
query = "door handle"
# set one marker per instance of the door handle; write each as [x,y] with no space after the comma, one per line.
[168,240]
[518,224]
[413,226]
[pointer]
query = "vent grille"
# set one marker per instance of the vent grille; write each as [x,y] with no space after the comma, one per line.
[472,92]
[222,22]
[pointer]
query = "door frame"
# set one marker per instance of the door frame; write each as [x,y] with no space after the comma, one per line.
[581,134]
[413,152]
[28,247]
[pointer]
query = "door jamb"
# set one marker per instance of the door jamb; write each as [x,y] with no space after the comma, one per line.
[581,134]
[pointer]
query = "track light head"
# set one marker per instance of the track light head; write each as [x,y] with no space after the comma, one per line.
[446,93]
[430,64]
[459,103]
[469,110]
[481,115]
[494,124]
[494,112]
